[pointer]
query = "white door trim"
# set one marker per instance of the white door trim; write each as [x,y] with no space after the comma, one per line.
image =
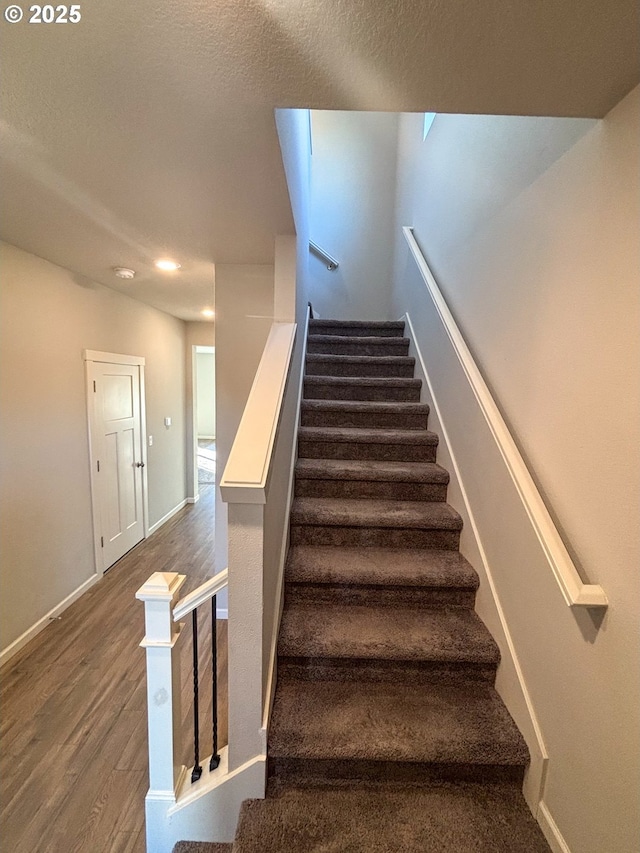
[89,357]
[112,357]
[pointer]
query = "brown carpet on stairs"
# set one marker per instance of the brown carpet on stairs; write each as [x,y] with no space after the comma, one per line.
[438,819]
[387,734]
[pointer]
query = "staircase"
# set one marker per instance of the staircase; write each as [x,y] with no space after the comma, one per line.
[386,733]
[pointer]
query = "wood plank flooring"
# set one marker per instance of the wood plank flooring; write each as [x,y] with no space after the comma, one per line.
[73,758]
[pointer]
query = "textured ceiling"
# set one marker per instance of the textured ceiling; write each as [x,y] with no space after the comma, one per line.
[147,129]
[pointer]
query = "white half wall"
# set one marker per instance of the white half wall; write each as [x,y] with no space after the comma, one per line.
[49,316]
[530,227]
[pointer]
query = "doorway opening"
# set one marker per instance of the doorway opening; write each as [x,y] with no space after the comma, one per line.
[204,415]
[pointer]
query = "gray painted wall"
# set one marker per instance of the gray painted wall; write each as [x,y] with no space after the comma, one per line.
[351,208]
[49,316]
[530,226]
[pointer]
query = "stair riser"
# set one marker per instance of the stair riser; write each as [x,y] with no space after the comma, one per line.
[361,393]
[391,672]
[357,370]
[394,346]
[308,772]
[319,328]
[374,537]
[364,420]
[312,488]
[379,596]
[366,451]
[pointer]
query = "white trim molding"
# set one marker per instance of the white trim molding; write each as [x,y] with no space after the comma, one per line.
[41,624]
[273,654]
[112,357]
[550,830]
[245,477]
[576,593]
[536,774]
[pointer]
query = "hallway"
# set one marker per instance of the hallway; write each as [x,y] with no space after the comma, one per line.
[73,765]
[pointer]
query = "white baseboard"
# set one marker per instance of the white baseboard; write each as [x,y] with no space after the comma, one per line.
[535,776]
[169,515]
[41,624]
[550,830]
[193,499]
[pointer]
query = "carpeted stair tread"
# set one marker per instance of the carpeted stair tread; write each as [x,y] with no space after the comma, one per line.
[350,443]
[379,567]
[326,364]
[383,389]
[354,345]
[446,724]
[423,515]
[393,328]
[368,436]
[439,819]
[388,634]
[364,413]
[202,847]
[363,381]
[364,406]
[371,469]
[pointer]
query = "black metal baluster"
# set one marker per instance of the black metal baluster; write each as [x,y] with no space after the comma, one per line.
[197,768]
[215,757]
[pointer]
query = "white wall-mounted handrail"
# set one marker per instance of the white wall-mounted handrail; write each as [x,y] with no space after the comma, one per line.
[201,595]
[331,263]
[575,592]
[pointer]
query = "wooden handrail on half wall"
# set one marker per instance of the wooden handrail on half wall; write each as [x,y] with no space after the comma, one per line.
[245,476]
[576,593]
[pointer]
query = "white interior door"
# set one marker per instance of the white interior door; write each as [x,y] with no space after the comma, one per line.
[117,459]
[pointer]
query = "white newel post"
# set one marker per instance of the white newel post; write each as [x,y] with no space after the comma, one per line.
[160,595]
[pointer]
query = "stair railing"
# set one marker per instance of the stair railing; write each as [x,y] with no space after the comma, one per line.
[575,591]
[205,593]
[163,628]
[202,802]
[331,263]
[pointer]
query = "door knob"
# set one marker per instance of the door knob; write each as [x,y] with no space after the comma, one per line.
[139,464]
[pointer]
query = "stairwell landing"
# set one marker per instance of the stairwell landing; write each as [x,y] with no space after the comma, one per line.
[387,733]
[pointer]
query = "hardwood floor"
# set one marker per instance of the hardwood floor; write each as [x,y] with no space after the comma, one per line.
[73,760]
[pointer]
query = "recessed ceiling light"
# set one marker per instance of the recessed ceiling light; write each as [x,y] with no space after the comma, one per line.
[208,312]
[123,272]
[167,265]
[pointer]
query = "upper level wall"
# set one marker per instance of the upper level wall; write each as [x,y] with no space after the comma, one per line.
[49,316]
[530,226]
[353,165]
[244,313]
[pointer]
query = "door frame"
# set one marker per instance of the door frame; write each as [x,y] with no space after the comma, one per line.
[90,357]
[195,350]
